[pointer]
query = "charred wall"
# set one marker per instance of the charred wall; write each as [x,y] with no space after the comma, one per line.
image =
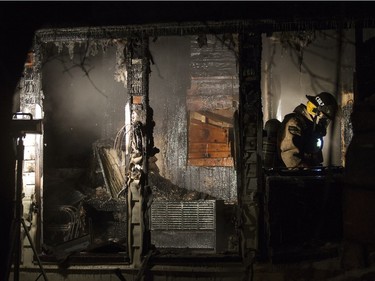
[170,81]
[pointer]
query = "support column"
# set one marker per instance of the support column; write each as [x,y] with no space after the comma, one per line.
[250,124]
[141,145]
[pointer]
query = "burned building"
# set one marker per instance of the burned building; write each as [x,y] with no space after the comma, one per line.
[154,161]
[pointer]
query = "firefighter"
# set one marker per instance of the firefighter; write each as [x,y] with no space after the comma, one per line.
[300,138]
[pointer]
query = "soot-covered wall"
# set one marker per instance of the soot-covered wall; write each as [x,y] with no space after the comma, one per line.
[170,81]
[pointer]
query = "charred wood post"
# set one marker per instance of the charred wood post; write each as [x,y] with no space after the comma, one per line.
[358,224]
[141,144]
[249,162]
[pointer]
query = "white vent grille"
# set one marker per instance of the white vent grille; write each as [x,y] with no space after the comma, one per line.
[195,215]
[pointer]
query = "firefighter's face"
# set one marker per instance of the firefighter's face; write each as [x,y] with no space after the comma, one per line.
[319,117]
[322,120]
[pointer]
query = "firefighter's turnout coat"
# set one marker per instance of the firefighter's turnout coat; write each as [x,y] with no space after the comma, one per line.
[299,141]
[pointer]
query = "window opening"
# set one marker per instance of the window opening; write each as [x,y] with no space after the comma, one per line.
[296,64]
[84,208]
[193,199]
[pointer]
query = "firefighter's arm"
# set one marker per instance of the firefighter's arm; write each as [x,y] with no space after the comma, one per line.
[290,153]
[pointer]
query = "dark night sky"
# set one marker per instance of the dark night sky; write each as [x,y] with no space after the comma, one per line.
[44,13]
[20,17]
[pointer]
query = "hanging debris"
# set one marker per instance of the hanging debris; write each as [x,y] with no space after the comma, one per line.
[120,67]
[298,41]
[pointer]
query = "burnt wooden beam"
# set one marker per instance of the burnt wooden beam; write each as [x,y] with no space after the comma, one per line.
[250,137]
[241,26]
[217,117]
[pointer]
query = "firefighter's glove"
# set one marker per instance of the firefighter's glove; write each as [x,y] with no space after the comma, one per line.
[309,143]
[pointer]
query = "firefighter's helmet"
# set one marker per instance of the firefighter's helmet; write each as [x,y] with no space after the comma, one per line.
[325,103]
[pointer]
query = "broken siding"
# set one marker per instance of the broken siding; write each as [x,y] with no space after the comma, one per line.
[214,77]
[169,83]
[214,94]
